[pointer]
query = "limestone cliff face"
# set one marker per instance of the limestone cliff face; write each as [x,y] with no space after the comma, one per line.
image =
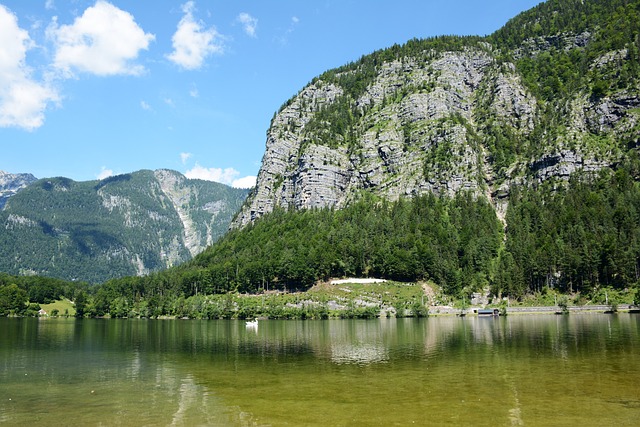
[200,213]
[11,184]
[434,120]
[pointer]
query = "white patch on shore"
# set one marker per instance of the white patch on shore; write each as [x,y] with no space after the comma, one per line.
[359,281]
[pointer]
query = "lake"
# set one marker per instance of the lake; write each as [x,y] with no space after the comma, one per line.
[519,370]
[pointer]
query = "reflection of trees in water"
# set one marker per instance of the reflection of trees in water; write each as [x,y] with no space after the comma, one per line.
[185,371]
[338,341]
[359,341]
[342,341]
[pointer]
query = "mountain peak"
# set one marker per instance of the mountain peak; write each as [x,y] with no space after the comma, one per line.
[11,184]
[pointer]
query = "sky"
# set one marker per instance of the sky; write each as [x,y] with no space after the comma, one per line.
[90,89]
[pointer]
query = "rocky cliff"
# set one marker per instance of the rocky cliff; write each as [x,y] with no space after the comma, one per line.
[10,184]
[520,107]
[128,224]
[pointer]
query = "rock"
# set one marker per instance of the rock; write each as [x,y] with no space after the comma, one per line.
[604,114]
[562,41]
[438,122]
[563,164]
[11,184]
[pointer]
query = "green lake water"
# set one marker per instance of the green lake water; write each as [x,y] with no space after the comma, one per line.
[520,370]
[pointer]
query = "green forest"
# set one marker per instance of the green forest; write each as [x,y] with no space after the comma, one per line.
[578,237]
[95,230]
[582,239]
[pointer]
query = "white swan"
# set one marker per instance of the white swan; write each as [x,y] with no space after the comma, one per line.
[252,323]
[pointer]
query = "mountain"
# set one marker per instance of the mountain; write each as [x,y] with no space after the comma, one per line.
[10,184]
[555,92]
[508,163]
[128,224]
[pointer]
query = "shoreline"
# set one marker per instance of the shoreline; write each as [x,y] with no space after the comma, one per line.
[441,311]
[533,310]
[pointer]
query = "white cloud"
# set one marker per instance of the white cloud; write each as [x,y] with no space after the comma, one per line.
[192,43]
[225,176]
[104,41]
[284,39]
[184,157]
[104,173]
[246,182]
[49,4]
[249,23]
[22,99]
[145,106]
[228,176]
[194,92]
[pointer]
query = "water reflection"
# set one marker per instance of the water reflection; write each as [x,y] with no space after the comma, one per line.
[519,370]
[340,340]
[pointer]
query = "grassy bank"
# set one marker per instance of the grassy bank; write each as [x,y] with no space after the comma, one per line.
[59,308]
[347,300]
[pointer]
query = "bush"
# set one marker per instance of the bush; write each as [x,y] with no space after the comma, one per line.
[563,303]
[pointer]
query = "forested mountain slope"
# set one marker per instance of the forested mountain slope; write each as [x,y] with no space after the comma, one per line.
[128,224]
[539,121]
[508,162]
[554,92]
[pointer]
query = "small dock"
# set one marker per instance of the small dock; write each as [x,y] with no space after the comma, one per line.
[484,312]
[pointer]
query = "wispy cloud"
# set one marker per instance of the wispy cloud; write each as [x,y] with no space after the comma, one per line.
[249,23]
[104,173]
[184,157]
[104,41]
[284,38]
[23,100]
[228,176]
[192,43]
[145,106]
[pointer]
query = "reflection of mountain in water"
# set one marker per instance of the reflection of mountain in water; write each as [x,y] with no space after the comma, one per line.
[336,341]
[219,373]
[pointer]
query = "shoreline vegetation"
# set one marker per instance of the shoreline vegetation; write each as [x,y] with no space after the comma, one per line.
[439,311]
[345,299]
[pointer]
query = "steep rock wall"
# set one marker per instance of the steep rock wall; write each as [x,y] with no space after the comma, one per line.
[438,121]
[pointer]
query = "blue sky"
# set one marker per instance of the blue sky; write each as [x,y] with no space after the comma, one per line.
[94,88]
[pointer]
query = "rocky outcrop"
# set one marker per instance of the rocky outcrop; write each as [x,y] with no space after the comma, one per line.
[194,207]
[605,114]
[10,184]
[563,41]
[398,139]
[564,164]
[438,121]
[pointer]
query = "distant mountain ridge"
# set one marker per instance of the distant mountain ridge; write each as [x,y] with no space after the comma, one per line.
[11,184]
[127,224]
